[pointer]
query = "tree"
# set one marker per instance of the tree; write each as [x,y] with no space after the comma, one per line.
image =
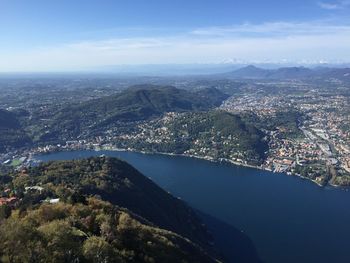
[5,211]
[20,242]
[62,241]
[98,250]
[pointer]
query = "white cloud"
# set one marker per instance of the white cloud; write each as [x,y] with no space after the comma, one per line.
[275,42]
[274,29]
[329,6]
[334,5]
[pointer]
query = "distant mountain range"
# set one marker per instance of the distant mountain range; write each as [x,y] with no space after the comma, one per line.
[226,65]
[218,70]
[253,72]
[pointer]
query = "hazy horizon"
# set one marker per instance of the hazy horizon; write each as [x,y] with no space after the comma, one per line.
[42,36]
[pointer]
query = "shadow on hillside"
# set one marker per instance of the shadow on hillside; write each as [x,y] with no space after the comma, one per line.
[235,246]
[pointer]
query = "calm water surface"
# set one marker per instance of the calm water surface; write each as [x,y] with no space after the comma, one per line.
[287,218]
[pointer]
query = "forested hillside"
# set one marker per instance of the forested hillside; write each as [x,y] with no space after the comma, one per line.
[11,131]
[72,210]
[137,103]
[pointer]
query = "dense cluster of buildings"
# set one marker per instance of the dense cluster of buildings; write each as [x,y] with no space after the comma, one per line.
[321,146]
[325,139]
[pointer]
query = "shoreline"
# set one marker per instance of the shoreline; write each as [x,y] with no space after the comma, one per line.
[220,160]
[230,162]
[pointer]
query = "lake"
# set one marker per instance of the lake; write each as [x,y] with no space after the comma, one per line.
[288,219]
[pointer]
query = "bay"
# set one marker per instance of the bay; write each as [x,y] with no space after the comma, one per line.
[288,219]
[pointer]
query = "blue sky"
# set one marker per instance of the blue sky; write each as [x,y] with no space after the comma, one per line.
[43,35]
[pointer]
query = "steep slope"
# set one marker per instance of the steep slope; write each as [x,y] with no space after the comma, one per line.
[224,135]
[11,132]
[136,103]
[92,231]
[215,134]
[212,96]
[119,183]
[144,101]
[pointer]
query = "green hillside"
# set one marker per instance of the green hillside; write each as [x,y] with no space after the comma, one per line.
[117,182]
[94,231]
[216,134]
[137,103]
[222,135]
[107,212]
[11,132]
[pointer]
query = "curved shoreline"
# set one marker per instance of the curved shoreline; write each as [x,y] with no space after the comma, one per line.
[210,159]
[230,162]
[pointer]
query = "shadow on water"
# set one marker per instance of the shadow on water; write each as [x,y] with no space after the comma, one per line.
[235,246]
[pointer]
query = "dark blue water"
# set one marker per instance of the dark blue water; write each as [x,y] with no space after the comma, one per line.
[287,218]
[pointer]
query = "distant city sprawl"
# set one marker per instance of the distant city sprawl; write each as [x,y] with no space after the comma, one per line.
[298,126]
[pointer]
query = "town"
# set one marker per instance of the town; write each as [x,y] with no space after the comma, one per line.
[306,127]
